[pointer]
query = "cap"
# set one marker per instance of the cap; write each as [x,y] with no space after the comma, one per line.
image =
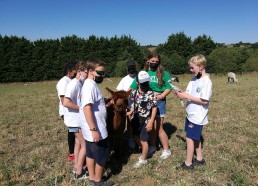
[143,77]
[130,63]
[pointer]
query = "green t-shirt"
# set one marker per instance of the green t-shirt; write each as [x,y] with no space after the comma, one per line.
[154,82]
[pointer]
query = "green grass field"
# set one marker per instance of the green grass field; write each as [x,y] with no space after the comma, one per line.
[33,148]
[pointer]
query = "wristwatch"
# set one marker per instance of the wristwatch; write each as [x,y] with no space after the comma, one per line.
[93,129]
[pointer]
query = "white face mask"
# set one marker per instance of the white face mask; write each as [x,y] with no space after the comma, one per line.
[82,79]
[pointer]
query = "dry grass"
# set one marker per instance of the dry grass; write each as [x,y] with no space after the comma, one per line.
[33,148]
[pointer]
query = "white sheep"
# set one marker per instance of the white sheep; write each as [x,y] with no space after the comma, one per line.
[174,78]
[232,77]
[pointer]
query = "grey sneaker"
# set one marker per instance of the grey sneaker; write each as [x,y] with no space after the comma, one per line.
[84,175]
[185,167]
[198,163]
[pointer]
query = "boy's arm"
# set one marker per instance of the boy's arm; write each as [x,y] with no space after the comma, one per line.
[62,99]
[184,95]
[69,104]
[89,118]
[152,119]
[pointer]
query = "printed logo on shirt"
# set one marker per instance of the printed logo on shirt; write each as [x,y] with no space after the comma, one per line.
[190,125]
[198,90]
[154,79]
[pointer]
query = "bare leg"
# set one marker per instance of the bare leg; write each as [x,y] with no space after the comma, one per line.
[198,149]
[82,152]
[145,148]
[98,172]
[189,151]
[76,150]
[91,168]
[162,134]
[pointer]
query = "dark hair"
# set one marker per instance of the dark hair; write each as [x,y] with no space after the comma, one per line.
[70,66]
[81,65]
[160,69]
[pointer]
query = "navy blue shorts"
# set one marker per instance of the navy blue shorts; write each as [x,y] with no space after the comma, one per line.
[139,128]
[161,105]
[99,151]
[192,130]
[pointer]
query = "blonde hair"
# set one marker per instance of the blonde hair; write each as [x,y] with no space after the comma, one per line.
[198,60]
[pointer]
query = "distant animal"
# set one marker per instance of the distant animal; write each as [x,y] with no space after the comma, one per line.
[174,79]
[116,119]
[232,78]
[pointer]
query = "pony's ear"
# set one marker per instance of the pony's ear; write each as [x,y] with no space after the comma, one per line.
[111,91]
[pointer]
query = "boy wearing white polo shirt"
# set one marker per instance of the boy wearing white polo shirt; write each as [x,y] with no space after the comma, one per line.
[198,94]
[69,73]
[72,102]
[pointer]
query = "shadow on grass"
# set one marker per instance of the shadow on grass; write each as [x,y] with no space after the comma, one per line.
[169,128]
[116,161]
[180,134]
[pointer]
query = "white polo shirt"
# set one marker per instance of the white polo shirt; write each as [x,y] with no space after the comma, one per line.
[71,116]
[91,93]
[61,88]
[200,88]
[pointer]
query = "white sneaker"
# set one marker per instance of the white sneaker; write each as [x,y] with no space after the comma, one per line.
[165,154]
[140,163]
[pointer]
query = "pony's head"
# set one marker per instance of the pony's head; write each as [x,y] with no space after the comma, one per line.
[119,99]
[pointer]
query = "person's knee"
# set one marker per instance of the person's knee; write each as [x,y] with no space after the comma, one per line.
[162,132]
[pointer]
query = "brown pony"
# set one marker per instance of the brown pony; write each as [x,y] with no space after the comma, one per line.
[116,119]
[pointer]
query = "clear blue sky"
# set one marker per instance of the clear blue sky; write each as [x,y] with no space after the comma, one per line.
[146,21]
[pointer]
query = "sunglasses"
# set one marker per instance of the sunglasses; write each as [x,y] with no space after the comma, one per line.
[100,73]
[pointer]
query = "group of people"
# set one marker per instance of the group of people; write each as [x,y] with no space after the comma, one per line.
[82,106]
[83,109]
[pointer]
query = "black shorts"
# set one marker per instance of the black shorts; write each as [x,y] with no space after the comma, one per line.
[139,127]
[99,151]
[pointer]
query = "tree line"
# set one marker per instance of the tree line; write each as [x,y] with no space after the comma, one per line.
[22,60]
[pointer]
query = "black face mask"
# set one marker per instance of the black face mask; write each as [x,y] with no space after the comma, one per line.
[154,66]
[199,75]
[131,70]
[74,76]
[98,79]
[145,86]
